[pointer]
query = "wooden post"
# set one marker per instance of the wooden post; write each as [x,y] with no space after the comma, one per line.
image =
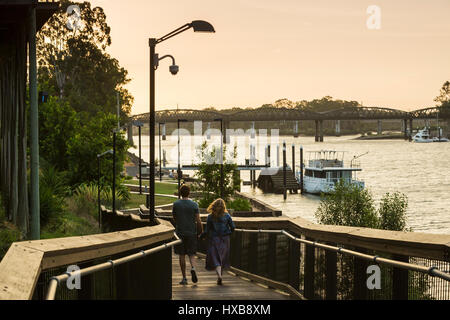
[293,159]
[294,264]
[253,253]
[400,280]
[331,274]
[321,130]
[410,129]
[309,271]
[301,169]
[338,128]
[272,256]
[236,250]
[316,139]
[405,128]
[379,128]
[359,277]
[284,171]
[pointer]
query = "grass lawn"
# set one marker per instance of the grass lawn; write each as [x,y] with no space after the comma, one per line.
[137,199]
[160,187]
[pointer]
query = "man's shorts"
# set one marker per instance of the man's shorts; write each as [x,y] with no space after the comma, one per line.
[188,246]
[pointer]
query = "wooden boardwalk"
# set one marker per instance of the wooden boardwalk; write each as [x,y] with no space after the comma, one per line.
[233,288]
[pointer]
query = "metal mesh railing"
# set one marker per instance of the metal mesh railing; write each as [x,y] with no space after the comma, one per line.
[327,271]
[98,277]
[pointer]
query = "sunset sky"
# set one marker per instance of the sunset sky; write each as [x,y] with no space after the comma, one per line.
[264,50]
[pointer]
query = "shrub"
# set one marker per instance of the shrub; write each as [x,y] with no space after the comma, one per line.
[85,198]
[392,211]
[8,232]
[52,192]
[208,173]
[348,205]
[240,204]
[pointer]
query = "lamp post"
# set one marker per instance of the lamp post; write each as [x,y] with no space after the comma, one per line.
[197,26]
[98,185]
[139,125]
[115,131]
[221,157]
[179,173]
[160,156]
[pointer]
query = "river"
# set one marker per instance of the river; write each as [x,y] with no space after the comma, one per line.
[420,171]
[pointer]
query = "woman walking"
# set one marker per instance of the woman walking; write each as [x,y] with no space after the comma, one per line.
[219,226]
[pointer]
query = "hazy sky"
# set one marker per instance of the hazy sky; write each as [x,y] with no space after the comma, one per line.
[264,50]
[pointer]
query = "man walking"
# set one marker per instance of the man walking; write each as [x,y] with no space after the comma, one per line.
[187,225]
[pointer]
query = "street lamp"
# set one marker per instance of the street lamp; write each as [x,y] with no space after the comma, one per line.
[98,185]
[139,125]
[197,26]
[163,138]
[179,173]
[221,157]
[115,131]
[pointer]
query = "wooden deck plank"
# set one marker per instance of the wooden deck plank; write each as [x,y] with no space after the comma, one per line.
[233,288]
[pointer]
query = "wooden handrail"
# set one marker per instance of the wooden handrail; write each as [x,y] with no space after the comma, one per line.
[414,244]
[24,261]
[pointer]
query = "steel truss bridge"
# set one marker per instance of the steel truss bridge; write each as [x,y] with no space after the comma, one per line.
[277,114]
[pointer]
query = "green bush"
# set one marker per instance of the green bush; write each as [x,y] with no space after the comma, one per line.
[84,201]
[205,201]
[392,211]
[240,204]
[52,192]
[67,225]
[8,232]
[348,205]
[208,173]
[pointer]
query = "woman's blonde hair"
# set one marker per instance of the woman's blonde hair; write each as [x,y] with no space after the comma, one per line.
[217,208]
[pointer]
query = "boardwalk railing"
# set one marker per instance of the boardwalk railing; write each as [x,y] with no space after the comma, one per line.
[55,281]
[331,262]
[28,267]
[318,261]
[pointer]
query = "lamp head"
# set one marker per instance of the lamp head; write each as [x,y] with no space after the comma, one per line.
[202,26]
[174,69]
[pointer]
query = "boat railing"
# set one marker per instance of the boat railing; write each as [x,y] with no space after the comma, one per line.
[355,164]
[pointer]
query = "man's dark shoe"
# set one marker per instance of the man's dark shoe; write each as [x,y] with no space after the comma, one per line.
[219,281]
[184,281]
[194,276]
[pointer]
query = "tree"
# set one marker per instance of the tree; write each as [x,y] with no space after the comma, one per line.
[392,211]
[348,205]
[208,174]
[94,137]
[284,103]
[75,66]
[444,95]
[58,122]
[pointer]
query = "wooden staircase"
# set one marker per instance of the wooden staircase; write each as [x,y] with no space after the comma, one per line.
[274,183]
